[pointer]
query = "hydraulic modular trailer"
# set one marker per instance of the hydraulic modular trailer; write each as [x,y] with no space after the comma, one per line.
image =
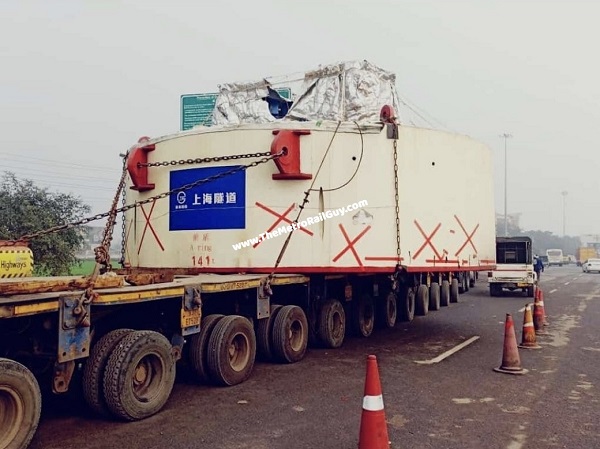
[418,217]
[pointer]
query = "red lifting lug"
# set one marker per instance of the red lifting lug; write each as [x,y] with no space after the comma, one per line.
[139,174]
[289,163]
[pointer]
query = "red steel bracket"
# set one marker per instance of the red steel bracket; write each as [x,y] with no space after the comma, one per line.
[288,164]
[139,174]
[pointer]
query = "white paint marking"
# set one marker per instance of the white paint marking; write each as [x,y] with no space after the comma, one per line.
[448,353]
[587,348]
[567,283]
[552,291]
[522,309]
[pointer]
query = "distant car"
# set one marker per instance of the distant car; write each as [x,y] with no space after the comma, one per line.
[591,265]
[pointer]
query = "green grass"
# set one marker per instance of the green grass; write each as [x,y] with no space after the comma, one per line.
[86,267]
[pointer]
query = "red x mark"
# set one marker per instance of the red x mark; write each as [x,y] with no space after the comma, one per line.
[469,237]
[148,225]
[427,240]
[280,218]
[351,244]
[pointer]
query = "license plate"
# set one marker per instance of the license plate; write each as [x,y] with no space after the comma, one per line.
[190,318]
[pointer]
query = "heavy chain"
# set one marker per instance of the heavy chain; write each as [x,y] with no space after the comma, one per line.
[397,197]
[149,200]
[394,277]
[103,251]
[123,234]
[203,160]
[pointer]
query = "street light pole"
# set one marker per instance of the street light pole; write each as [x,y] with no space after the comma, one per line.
[506,137]
[564,195]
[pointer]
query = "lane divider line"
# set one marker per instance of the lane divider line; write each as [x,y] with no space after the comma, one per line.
[552,291]
[448,353]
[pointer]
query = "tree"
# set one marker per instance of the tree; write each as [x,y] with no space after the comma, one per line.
[26,209]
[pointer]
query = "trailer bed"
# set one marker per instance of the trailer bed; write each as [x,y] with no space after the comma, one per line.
[43,302]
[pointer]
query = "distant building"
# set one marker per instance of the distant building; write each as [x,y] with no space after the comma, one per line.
[591,240]
[93,238]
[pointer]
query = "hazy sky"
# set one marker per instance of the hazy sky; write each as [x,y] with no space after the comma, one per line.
[80,81]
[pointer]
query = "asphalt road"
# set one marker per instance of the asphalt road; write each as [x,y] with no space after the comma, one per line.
[459,402]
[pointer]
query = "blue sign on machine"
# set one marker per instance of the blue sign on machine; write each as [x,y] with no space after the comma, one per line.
[197,109]
[218,204]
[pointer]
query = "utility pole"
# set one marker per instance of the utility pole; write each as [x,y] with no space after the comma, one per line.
[505,136]
[564,195]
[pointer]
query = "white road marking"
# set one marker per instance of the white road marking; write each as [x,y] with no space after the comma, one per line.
[448,353]
[587,348]
[552,291]
[522,309]
[567,283]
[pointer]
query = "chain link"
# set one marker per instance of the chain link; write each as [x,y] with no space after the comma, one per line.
[204,160]
[127,207]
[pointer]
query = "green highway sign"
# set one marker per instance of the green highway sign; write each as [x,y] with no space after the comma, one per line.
[197,109]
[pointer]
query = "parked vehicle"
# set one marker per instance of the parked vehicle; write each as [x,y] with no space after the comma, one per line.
[555,257]
[514,266]
[224,259]
[584,253]
[591,266]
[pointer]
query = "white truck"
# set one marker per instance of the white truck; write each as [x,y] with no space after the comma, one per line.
[514,266]
[555,257]
[258,235]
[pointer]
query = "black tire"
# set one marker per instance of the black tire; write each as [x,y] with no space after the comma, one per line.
[363,316]
[406,303]
[466,282]
[290,335]
[434,296]
[198,347]
[332,324]
[495,290]
[454,290]
[422,300]
[20,403]
[445,293]
[93,372]
[471,282]
[264,330]
[231,351]
[140,353]
[388,310]
[463,284]
[530,292]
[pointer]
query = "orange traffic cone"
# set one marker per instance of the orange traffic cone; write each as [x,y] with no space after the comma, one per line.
[528,340]
[511,362]
[373,428]
[538,315]
[541,300]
